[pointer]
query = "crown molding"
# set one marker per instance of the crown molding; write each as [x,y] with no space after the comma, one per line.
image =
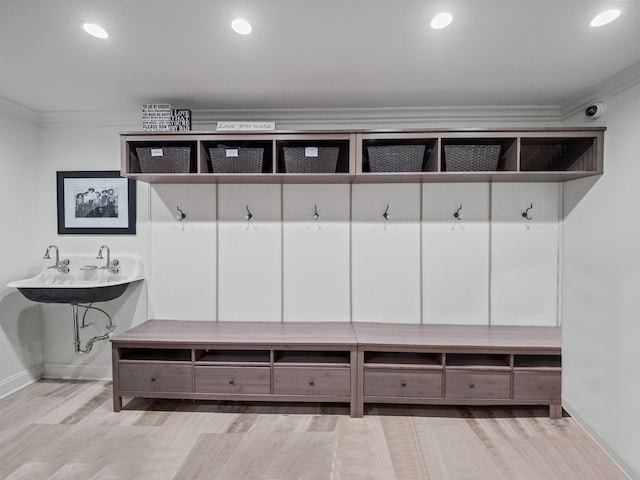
[401,117]
[123,120]
[19,111]
[617,83]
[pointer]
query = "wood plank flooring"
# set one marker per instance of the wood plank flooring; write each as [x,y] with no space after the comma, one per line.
[66,430]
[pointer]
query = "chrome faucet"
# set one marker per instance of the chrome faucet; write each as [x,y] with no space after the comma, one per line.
[61,265]
[112,265]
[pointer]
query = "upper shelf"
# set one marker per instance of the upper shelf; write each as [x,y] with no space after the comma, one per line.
[344,157]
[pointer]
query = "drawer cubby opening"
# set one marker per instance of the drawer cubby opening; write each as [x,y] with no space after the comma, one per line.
[311,357]
[215,356]
[537,361]
[156,354]
[312,156]
[399,155]
[477,360]
[558,154]
[403,358]
[237,156]
[479,155]
[167,157]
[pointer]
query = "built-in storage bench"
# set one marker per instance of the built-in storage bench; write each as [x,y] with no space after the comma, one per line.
[257,361]
[355,363]
[459,365]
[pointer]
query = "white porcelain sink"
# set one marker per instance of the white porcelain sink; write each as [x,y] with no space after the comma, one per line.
[85,282]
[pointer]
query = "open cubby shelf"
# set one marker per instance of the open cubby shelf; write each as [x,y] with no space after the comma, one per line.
[365,156]
[156,354]
[403,358]
[233,356]
[311,357]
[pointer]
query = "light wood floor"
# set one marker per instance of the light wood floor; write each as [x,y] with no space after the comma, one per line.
[67,430]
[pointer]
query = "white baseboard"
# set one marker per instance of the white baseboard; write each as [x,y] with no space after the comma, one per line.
[20,380]
[76,372]
[631,472]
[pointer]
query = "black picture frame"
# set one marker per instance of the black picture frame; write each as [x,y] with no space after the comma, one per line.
[84,208]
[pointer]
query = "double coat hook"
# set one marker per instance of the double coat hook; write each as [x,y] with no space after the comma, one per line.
[181,215]
[526,215]
[249,215]
[457,214]
[386,214]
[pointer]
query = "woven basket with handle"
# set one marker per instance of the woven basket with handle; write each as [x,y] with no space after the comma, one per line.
[164,159]
[396,158]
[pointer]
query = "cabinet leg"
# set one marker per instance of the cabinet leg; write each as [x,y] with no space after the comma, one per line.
[117,403]
[555,411]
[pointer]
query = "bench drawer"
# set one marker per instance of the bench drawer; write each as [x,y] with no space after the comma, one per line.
[154,377]
[312,380]
[398,382]
[238,380]
[537,386]
[478,384]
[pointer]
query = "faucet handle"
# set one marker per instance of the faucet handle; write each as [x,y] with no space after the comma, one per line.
[64,261]
[115,262]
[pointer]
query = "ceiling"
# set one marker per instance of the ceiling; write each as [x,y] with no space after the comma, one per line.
[303,54]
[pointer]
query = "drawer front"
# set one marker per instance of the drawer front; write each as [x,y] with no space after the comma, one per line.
[396,382]
[537,386]
[237,380]
[311,381]
[478,384]
[154,377]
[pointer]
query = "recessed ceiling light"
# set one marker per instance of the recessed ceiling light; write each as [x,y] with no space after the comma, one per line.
[605,17]
[95,30]
[241,26]
[441,20]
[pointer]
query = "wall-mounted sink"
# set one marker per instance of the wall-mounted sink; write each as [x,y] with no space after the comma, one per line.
[85,282]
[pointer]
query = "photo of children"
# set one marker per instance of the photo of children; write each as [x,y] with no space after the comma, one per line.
[96,202]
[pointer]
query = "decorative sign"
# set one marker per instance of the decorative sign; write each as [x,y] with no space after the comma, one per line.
[246,126]
[181,120]
[156,116]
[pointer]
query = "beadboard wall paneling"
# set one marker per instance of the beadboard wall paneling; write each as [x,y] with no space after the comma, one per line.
[182,274]
[455,254]
[316,253]
[524,254]
[385,255]
[249,253]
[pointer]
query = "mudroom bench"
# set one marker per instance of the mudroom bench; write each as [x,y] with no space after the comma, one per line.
[354,363]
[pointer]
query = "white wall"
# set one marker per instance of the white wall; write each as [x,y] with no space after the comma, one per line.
[84,147]
[20,322]
[601,304]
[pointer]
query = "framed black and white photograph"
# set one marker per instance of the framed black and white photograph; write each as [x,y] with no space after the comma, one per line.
[96,202]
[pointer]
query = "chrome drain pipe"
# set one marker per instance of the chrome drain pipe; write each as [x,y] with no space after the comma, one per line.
[76,327]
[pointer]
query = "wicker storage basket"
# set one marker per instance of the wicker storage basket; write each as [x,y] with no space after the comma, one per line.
[296,161]
[396,158]
[249,160]
[471,158]
[164,160]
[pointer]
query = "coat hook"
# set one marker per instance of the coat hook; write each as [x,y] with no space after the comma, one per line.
[525,214]
[315,212]
[386,213]
[249,215]
[457,215]
[181,215]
